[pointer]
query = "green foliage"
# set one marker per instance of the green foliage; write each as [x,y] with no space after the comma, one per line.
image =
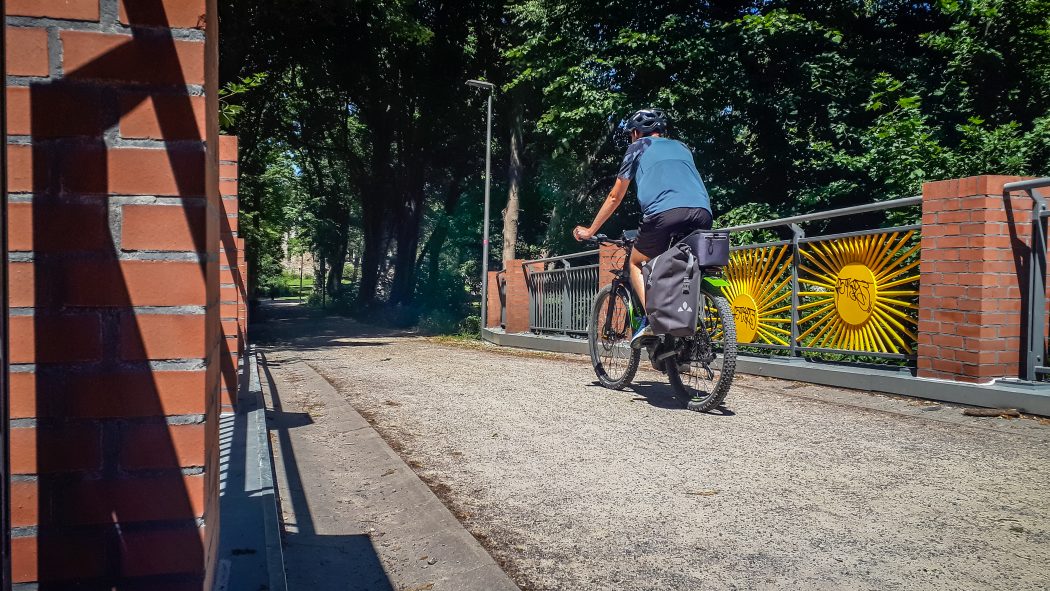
[229,109]
[361,141]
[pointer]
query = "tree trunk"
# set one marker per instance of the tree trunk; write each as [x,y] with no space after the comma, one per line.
[514,172]
[373,210]
[403,289]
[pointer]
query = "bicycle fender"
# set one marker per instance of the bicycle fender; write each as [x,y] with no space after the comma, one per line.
[714,285]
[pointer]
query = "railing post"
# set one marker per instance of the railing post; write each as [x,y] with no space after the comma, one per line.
[566,300]
[517,297]
[1036,314]
[494,308]
[796,260]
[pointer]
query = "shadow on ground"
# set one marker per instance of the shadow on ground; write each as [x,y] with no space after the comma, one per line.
[314,561]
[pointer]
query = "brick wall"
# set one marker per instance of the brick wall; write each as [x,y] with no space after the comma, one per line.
[231,281]
[973,269]
[517,293]
[115,335]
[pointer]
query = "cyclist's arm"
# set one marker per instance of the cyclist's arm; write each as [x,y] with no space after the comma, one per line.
[611,203]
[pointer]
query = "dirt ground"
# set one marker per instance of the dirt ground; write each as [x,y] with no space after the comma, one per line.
[793,486]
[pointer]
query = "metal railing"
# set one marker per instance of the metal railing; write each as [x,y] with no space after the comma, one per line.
[852,293]
[560,294]
[802,295]
[1034,323]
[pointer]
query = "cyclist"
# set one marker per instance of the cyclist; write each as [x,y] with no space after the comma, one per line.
[671,194]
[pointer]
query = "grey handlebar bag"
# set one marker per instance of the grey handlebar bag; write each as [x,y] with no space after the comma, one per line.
[672,291]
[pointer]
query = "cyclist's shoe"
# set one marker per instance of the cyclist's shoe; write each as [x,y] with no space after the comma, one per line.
[644,332]
[684,368]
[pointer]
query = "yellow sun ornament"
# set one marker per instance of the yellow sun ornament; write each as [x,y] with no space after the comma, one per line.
[759,293]
[862,293]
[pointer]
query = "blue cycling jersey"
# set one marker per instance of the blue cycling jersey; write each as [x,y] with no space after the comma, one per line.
[665,174]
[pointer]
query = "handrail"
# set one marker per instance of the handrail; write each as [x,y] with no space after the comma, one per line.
[526,264]
[834,213]
[1027,185]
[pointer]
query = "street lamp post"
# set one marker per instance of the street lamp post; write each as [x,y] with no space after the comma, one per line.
[488,183]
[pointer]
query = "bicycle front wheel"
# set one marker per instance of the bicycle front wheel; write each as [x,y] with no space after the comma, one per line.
[609,338]
[710,357]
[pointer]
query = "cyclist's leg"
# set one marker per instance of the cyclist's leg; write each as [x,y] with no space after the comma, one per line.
[652,240]
[637,282]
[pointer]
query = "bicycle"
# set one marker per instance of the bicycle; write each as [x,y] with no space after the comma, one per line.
[691,363]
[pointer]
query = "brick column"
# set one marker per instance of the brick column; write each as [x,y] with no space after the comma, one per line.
[610,258]
[517,298]
[493,304]
[229,272]
[973,252]
[114,222]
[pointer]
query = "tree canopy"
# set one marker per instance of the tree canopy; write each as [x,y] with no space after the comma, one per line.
[363,146]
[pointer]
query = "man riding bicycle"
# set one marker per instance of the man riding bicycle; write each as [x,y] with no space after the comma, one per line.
[671,194]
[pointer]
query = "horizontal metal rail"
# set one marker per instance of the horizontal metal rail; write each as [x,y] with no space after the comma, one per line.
[834,213]
[559,259]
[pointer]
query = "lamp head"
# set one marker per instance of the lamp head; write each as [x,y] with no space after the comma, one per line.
[481,84]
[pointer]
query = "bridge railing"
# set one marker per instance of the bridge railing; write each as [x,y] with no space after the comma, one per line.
[961,296]
[560,292]
[852,293]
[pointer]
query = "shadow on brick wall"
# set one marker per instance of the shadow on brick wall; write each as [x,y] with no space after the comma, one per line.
[118,335]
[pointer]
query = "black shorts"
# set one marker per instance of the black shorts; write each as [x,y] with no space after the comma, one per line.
[654,235]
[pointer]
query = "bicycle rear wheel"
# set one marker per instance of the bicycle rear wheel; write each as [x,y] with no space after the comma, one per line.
[609,339]
[706,384]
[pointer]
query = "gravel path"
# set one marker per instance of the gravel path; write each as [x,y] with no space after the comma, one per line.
[572,486]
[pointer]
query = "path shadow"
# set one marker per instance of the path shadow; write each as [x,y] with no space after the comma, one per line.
[661,395]
[313,561]
[282,323]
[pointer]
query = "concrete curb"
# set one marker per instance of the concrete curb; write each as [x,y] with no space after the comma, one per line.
[264,456]
[352,507]
[250,555]
[1025,397]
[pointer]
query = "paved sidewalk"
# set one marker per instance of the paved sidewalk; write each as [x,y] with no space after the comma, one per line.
[355,515]
[572,486]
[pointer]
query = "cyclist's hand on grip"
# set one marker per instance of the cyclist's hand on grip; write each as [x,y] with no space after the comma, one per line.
[582,234]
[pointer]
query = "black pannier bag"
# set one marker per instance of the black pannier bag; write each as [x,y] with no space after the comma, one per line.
[710,248]
[672,291]
[672,281]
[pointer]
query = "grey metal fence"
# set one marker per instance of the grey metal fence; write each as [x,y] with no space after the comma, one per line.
[560,292]
[853,293]
[1035,318]
[800,295]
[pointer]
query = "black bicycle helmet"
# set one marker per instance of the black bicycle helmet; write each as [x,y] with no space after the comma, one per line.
[647,121]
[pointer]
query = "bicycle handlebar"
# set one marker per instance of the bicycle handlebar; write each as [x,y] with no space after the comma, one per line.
[598,239]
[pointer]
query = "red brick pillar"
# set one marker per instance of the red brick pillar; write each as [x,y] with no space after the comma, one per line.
[493,304]
[971,282]
[114,224]
[610,258]
[517,293]
[242,292]
[229,271]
